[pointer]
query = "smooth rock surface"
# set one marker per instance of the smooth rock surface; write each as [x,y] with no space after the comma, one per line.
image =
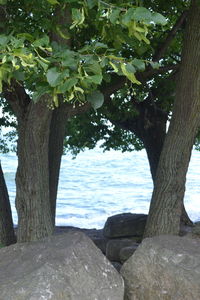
[125,225]
[63,267]
[163,268]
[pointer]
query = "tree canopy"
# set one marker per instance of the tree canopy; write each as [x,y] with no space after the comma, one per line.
[52,55]
[60,57]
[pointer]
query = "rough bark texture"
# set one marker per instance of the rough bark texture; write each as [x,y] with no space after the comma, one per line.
[150,126]
[165,209]
[56,138]
[32,178]
[7,234]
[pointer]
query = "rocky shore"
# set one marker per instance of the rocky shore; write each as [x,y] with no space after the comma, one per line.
[77,264]
[121,235]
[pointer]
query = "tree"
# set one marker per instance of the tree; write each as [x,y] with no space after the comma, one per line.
[50,63]
[7,234]
[145,118]
[166,203]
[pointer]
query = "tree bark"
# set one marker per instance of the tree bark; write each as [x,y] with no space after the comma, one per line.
[7,233]
[169,189]
[32,178]
[150,127]
[56,138]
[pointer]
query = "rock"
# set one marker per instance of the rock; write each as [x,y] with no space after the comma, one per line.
[163,267]
[117,265]
[96,235]
[125,225]
[196,229]
[66,266]
[114,246]
[126,252]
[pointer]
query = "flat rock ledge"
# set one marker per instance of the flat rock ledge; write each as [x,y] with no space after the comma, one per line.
[67,266]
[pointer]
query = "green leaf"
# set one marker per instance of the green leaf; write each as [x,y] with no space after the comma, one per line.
[68,60]
[3,40]
[158,18]
[115,68]
[145,39]
[114,16]
[43,64]
[19,75]
[26,36]
[53,77]
[155,65]
[100,45]
[129,75]
[53,2]
[142,14]
[97,79]
[67,85]
[93,68]
[96,99]
[3,2]
[128,16]
[44,41]
[92,3]
[41,90]
[139,64]
[78,17]
[130,68]
[55,100]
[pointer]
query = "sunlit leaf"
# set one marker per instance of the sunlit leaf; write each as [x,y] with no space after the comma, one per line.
[53,2]
[158,18]
[129,75]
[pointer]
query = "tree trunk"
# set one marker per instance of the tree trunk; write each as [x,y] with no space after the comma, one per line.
[167,198]
[32,178]
[7,234]
[57,134]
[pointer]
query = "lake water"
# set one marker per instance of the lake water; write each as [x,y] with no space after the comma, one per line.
[97,185]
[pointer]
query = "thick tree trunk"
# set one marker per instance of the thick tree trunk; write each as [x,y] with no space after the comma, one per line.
[57,134]
[32,178]
[152,131]
[167,198]
[7,234]
[150,127]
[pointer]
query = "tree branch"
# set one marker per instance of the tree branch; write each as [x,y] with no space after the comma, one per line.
[16,95]
[118,82]
[171,34]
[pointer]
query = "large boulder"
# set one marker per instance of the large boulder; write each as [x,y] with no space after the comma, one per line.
[163,267]
[63,267]
[125,225]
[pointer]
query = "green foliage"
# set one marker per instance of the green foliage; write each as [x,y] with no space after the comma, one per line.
[85,131]
[29,55]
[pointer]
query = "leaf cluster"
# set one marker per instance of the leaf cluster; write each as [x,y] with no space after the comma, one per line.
[32,57]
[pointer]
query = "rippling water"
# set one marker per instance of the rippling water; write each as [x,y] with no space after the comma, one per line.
[96,185]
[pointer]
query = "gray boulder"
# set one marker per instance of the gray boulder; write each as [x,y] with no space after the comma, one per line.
[114,247]
[63,267]
[125,225]
[126,252]
[163,267]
